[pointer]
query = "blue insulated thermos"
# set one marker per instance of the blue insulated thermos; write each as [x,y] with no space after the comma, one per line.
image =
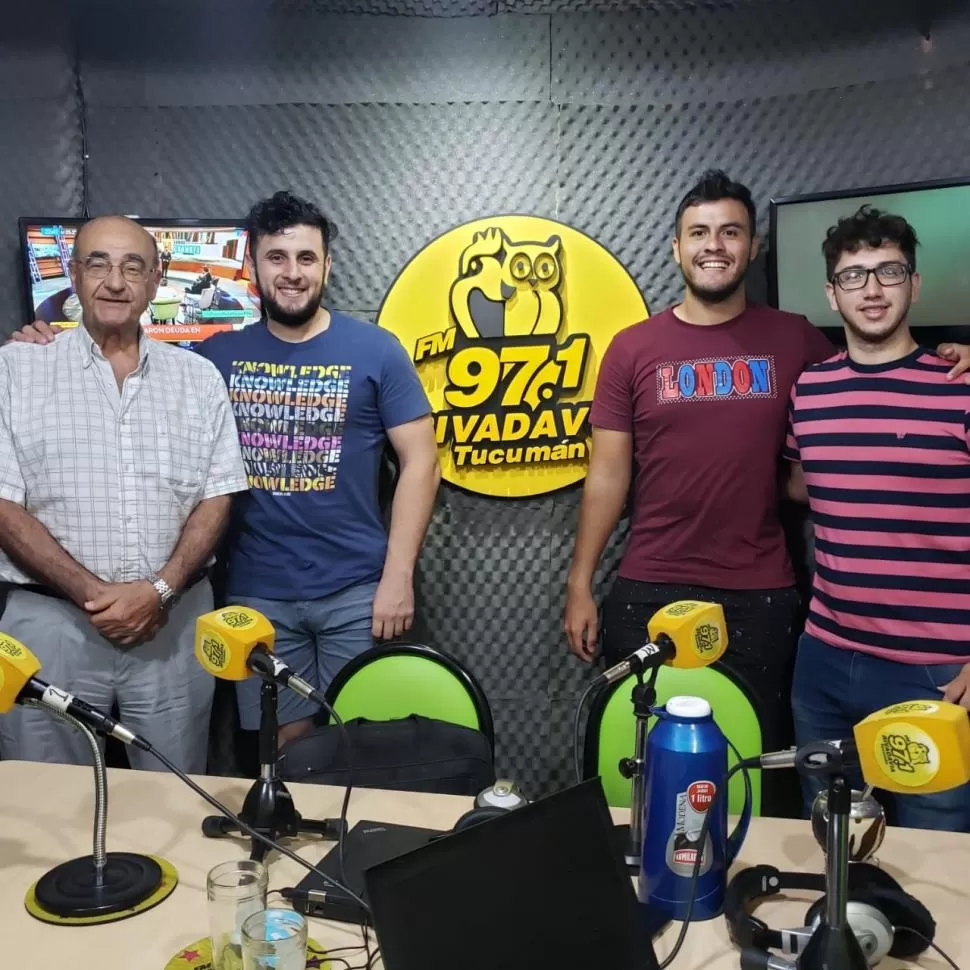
[686,763]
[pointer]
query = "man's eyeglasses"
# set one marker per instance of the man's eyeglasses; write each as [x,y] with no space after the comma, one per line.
[133,270]
[857,277]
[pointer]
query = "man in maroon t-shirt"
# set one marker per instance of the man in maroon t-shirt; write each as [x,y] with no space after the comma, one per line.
[695,400]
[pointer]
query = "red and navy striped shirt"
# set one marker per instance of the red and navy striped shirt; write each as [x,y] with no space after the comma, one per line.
[886,454]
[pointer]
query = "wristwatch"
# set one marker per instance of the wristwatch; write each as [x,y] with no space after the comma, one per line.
[165,592]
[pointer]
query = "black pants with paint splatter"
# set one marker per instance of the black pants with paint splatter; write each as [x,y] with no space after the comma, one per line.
[763,627]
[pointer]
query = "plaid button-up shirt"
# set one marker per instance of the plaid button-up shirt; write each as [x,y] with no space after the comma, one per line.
[113,473]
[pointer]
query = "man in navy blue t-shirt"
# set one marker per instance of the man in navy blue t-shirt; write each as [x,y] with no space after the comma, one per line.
[316,395]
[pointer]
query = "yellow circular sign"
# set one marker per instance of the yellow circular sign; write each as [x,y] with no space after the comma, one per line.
[908,754]
[237,617]
[215,652]
[707,638]
[912,707]
[165,889]
[507,319]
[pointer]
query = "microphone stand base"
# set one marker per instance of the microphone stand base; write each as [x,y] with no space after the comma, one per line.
[130,884]
[833,947]
[269,809]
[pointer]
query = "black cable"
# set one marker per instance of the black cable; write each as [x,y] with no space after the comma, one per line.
[741,765]
[371,957]
[332,961]
[318,696]
[699,855]
[250,831]
[340,884]
[929,943]
[577,723]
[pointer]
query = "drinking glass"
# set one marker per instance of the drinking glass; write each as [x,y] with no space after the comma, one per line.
[274,939]
[235,890]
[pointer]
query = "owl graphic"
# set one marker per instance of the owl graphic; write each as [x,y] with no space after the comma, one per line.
[507,288]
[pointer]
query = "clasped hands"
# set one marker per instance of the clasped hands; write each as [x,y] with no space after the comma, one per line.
[127,614]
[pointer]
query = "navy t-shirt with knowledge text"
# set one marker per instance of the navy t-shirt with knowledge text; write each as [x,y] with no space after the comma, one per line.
[312,418]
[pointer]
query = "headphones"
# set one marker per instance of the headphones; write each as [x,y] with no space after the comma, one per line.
[879,910]
[499,799]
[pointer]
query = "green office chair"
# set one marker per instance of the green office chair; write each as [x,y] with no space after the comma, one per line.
[399,679]
[611,728]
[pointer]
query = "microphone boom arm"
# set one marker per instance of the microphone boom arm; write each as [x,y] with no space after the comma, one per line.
[100,854]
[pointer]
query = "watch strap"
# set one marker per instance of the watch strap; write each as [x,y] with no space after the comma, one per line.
[165,592]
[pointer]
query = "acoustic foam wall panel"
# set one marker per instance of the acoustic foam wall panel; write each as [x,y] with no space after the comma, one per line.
[40,131]
[199,54]
[733,55]
[646,156]
[391,176]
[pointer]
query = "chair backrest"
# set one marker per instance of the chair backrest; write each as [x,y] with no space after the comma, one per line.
[611,728]
[397,680]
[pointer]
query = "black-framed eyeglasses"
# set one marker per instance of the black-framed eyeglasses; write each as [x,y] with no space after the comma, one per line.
[98,268]
[857,277]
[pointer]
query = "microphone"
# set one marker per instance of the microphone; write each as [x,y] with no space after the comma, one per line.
[104,886]
[915,747]
[687,633]
[236,641]
[18,684]
[232,643]
[808,755]
[129,883]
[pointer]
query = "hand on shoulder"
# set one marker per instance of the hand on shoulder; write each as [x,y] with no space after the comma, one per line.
[959,356]
[38,332]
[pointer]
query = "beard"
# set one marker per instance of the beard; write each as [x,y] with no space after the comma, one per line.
[878,333]
[713,294]
[289,318]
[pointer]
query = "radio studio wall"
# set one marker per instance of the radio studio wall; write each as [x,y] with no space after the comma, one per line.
[403,118]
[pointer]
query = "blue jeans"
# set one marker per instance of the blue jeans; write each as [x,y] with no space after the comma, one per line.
[316,638]
[834,689]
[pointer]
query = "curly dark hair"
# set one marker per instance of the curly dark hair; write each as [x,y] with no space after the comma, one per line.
[713,186]
[282,211]
[871,228]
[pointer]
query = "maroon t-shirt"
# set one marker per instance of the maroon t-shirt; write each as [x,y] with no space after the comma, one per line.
[708,410]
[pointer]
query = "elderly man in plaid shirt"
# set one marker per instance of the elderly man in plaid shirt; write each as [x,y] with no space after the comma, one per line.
[118,459]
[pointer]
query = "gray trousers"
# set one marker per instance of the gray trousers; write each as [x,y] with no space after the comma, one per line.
[162,692]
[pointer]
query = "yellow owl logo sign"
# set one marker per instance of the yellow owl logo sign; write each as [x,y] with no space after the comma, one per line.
[506,320]
[507,289]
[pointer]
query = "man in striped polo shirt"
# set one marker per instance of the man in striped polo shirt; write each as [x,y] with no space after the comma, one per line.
[879,442]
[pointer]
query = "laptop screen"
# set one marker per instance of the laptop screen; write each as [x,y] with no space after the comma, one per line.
[543,886]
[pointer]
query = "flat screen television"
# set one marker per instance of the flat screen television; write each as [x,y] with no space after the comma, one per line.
[204,287]
[936,210]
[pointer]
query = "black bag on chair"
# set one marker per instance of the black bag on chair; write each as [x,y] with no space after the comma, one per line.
[408,754]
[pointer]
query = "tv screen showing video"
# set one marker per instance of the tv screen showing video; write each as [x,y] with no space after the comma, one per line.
[204,288]
[799,224]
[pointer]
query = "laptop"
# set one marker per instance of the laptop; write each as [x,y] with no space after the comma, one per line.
[544,886]
[366,844]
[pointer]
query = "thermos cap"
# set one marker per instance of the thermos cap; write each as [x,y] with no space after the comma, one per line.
[683,706]
[503,794]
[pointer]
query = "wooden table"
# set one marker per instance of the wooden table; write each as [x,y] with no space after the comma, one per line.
[46,816]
